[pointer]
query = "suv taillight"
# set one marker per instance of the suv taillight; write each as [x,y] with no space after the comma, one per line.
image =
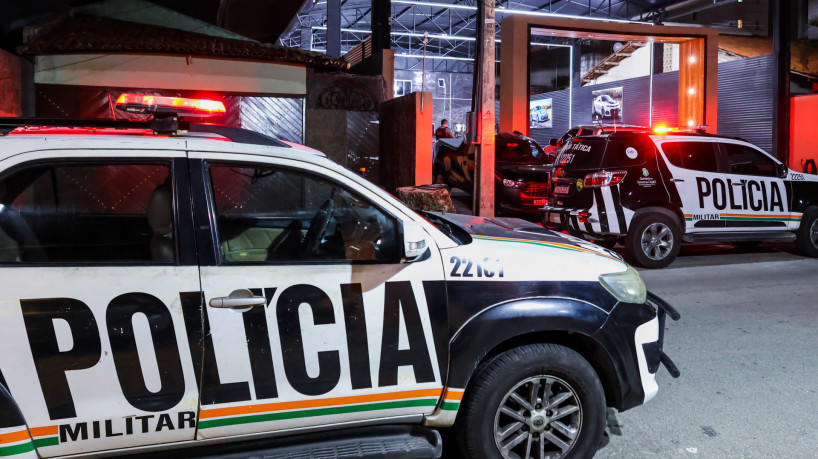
[604,178]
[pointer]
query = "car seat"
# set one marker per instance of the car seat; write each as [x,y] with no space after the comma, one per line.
[160,219]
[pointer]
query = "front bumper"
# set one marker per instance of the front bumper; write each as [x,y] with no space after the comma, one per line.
[634,334]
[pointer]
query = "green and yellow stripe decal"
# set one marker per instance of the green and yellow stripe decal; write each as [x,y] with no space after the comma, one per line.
[754,217]
[554,245]
[452,399]
[220,417]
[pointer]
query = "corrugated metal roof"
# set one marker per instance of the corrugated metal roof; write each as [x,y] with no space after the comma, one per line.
[86,34]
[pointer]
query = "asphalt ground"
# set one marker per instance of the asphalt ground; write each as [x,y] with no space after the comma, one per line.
[748,352]
[747,348]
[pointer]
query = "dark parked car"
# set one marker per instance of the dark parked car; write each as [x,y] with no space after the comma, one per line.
[521,171]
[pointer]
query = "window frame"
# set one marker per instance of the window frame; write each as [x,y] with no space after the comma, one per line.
[206,164]
[726,161]
[719,155]
[170,162]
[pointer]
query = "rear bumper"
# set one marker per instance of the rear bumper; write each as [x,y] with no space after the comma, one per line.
[513,200]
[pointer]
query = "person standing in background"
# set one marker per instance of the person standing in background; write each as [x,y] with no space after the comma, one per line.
[443,132]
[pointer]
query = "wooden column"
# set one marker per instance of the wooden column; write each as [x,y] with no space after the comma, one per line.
[691,83]
[514,75]
[406,141]
[484,156]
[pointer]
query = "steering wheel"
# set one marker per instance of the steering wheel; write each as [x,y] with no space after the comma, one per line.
[318,227]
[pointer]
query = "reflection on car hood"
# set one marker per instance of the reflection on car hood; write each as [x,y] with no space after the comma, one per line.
[516,228]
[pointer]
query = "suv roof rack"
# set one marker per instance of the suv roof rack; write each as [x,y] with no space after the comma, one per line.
[168,125]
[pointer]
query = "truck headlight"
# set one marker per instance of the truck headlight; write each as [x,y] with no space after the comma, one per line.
[626,286]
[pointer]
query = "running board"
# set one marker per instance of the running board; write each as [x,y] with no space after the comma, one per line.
[743,236]
[396,441]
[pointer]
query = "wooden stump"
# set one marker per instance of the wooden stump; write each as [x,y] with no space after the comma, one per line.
[429,198]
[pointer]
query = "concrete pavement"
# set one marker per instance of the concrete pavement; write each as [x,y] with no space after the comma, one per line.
[747,348]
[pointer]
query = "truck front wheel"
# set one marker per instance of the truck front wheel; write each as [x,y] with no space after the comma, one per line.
[533,401]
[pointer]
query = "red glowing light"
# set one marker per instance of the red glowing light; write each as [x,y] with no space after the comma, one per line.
[140,103]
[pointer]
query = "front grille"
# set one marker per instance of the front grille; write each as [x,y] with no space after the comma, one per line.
[537,190]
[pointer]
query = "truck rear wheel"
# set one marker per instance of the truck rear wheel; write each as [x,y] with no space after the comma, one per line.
[807,234]
[533,401]
[653,240]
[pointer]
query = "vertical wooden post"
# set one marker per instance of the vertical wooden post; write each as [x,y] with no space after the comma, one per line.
[484,94]
[514,69]
[692,64]
[782,15]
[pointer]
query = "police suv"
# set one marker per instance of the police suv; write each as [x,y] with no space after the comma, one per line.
[653,191]
[167,284]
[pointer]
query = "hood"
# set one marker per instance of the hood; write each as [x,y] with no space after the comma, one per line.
[528,251]
[528,172]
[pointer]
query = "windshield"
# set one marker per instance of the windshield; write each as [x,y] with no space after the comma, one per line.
[448,228]
[606,99]
[521,151]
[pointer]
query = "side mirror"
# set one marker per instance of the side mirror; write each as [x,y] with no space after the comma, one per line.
[782,170]
[415,244]
[552,142]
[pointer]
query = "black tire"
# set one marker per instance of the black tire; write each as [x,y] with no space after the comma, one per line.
[653,257]
[807,234]
[746,245]
[516,370]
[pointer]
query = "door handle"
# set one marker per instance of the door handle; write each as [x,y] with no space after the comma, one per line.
[238,299]
[677,180]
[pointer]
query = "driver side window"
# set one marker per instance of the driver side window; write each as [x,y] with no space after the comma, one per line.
[268,215]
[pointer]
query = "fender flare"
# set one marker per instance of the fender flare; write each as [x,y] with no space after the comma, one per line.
[497,324]
[676,214]
[10,415]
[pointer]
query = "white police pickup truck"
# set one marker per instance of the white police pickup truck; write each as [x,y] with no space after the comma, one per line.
[166,284]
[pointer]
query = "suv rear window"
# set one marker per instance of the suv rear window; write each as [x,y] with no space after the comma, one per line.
[629,150]
[582,153]
[697,156]
[519,152]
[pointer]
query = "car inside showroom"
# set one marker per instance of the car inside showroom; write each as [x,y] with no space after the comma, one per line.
[408,229]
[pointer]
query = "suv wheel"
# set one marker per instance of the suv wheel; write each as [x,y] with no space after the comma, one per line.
[653,241]
[533,401]
[807,234]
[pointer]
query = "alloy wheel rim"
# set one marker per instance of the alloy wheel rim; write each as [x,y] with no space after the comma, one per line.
[657,241]
[813,233]
[538,418]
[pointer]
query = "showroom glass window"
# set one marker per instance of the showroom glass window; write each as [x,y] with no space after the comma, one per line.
[268,215]
[87,213]
[745,160]
[697,156]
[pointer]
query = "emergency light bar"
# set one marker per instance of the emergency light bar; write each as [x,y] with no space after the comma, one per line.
[662,129]
[139,103]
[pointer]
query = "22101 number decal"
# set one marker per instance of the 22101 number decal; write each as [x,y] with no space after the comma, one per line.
[489,267]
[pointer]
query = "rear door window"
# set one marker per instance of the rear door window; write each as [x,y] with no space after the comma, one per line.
[87,213]
[697,156]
